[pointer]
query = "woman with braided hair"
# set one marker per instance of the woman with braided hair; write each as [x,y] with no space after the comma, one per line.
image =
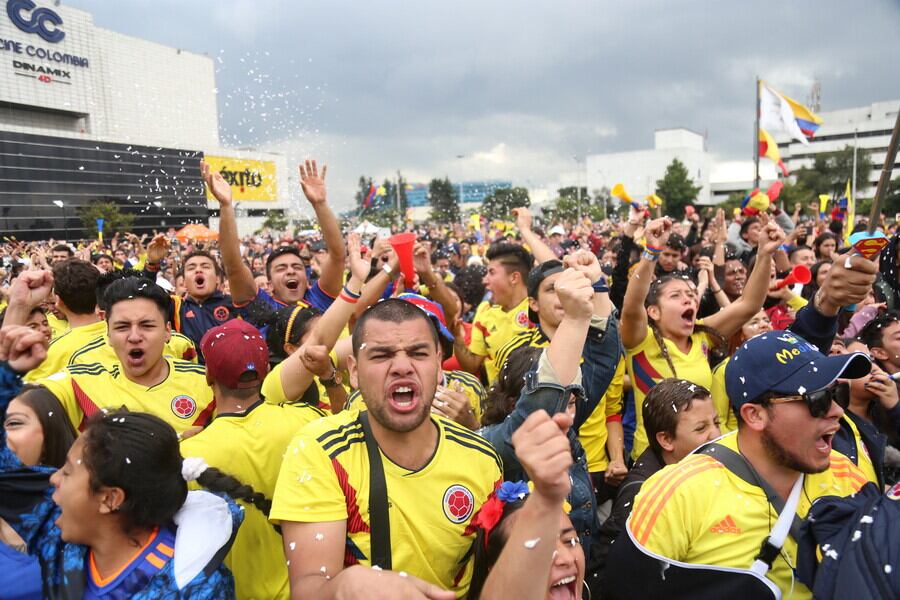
[659,329]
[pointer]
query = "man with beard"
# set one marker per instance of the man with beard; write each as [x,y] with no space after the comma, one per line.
[384,487]
[714,510]
[205,306]
[285,269]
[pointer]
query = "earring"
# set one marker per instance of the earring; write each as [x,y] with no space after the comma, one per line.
[584,583]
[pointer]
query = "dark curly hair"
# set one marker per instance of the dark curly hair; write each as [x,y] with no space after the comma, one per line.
[75,282]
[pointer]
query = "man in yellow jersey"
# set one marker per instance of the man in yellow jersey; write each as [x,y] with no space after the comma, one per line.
[247,440]
[707,522]
[143,379]
[393,486]
[497,321]
[99,350]
[74,283]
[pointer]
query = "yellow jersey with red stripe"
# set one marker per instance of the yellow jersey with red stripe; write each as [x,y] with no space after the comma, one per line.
[863,459]
[183,399]
[249,446]
[727,418]
[646,367]
[325,477]
[468,383]
[63,347]
[57,326]
[699,512]
[492,327]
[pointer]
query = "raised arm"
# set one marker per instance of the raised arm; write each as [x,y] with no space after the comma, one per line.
[634,315]
[295,377]
[240,279]
[27,291]
[732,317]
[313,185]
[437,289]
[540,250]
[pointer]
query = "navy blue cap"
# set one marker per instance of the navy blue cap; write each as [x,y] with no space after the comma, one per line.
[785,363]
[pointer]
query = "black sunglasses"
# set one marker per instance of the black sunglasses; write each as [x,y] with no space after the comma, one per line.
[818,403]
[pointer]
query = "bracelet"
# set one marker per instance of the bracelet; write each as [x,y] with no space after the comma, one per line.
[601,286]
[652,249]
[350,293]
[390,272]
[645,255]
[348,299]
[715,291]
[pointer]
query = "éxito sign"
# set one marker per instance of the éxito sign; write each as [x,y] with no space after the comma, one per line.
[37,22]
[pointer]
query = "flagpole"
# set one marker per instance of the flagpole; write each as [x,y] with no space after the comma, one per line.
[756,138]
[855,144]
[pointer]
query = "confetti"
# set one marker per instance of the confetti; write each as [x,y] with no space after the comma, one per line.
[531,544]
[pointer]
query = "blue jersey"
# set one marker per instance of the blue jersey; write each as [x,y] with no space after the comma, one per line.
[314,297]
[135,576]
[194,319]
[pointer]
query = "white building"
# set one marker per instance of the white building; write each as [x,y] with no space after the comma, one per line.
[870,126]
[639,170]
[91,114]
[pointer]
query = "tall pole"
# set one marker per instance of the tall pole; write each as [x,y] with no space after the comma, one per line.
[400,217]
[756,138]
[853,175]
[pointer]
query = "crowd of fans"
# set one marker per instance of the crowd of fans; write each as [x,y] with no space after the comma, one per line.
[620,409]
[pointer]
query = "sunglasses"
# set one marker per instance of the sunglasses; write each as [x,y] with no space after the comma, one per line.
[818,403]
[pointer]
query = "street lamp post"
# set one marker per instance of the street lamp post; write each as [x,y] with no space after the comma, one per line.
[62,206]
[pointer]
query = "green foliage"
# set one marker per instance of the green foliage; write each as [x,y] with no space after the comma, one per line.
[114,220]
[832,170]
[891,204]
[383,217]
[275,220]
[566,206]
[444,201]
[499,204]
[676,189]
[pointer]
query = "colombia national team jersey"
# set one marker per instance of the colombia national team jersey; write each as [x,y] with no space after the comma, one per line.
[249,446]
[183,399]
[429,508]
[699,512]
[63,347]
[646,366]
[136,575]
[492,327]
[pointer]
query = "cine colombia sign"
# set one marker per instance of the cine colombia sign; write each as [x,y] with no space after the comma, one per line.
[250,180]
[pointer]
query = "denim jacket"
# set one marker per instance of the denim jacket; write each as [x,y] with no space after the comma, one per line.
[543,391]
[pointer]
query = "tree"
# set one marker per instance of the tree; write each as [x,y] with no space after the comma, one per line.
[499,203]
[891,206]
[832,170]
[365,184]
[444,201]
[275,221]
[114,220]
[676,189]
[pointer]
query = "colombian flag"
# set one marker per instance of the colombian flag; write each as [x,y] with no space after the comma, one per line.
[848,201]
[769,149]
[370,196]
[778,112]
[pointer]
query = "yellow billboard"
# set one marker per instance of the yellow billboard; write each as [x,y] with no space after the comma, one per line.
[250,180]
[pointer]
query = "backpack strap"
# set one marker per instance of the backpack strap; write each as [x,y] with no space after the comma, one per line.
[737,464]
[379,519]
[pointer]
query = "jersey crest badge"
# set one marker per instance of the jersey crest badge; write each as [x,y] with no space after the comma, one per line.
[894,492]
[221,313]
[184,407]
[458,503]
[522,318]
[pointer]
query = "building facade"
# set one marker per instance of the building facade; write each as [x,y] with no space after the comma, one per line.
[88,114]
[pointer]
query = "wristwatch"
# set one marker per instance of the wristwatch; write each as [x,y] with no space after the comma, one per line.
[333,381]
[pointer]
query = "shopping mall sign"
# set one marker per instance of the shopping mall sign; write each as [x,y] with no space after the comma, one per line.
[250,180]
[30,19]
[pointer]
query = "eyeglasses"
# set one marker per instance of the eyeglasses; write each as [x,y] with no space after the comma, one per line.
[818,403]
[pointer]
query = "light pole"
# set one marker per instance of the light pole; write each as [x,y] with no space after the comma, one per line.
[62,206]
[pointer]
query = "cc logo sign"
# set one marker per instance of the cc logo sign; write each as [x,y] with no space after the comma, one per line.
[38,21]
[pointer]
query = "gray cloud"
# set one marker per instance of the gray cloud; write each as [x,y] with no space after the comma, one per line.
[517,88]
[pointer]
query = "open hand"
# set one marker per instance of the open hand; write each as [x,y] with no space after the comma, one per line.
[312,183]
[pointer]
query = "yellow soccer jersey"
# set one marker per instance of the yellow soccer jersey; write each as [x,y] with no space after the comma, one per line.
[183,399]
[57,326]
[429,508]
[63,347]
[593,433]
[273,391]
[530,337]
[467,382]
[492,328]
[249,447]
[646,366]
[98,350]
[727,418]
[863,459]
[699,512]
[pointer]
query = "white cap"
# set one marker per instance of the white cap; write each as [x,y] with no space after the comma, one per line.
[557,229]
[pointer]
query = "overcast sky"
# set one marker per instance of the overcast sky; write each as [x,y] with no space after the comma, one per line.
[519,89]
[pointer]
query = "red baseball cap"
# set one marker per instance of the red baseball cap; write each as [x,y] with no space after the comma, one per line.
[232,349]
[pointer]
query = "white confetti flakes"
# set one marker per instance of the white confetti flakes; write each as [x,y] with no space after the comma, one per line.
[531,544]
[127,460]
[292,546]
[376,568]
[403,574]
[742,379]
[856,535]
[50,414]
[323,569]
[801,390]
[888,568]
[866,519]
[78,461]
[320,537]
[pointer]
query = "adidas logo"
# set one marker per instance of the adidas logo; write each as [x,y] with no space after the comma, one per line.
[726,525]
